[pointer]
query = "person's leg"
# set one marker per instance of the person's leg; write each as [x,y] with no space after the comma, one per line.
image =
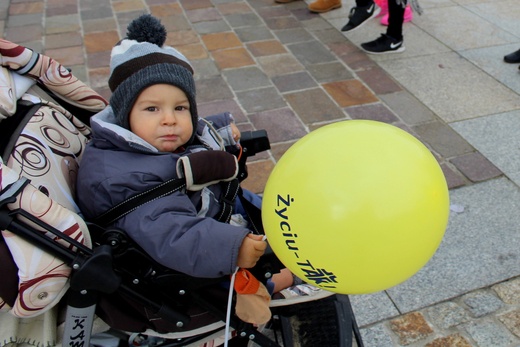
[395,20]
[363,11]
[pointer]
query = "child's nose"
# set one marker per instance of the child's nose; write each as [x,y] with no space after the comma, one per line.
[169,117]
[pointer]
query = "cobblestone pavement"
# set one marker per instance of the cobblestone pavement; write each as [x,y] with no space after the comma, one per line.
[284,69]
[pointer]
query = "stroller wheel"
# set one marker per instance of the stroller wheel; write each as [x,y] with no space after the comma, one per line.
[325,322]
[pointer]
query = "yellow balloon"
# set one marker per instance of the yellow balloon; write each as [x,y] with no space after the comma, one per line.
[356,207]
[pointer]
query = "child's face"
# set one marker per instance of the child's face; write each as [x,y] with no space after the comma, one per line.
[161,116]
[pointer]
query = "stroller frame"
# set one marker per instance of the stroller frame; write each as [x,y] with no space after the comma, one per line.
[101,272]
[93,275]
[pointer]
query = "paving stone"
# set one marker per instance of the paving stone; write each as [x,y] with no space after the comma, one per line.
[219,106]
[349,93]
[103,24]
[295,81]
[98,78]
[357,61]
[258,173]
[281,125]
[100,41]
[512,321]
[239,20]
[476,167]
[61,10]
[195,4]
[174,22]
[409,109]
[489,334]
[63,24]
[455,340]
[218,41]
[212,88]
[312,52]
[314,106]
[233,7]
[246,78]
[376,336]
[194,52]
[68,56]
[30,33]
[260,100]
[509,291]
[203,15]
[279,23]
[333,39]
[447,315]
[63,40]
[482,303]
[410,328]
[232,58]
[373,308]
[128,5]
[443,139]
[453,177]
[23,20]
[100,11]
[293,35]
[280,64]
[379,81]
[180,38]
[212,26]
[329,72]
[26,7]
[98,59]
[203,67]
[263,48]
[279,149]
[257,33]
[166,9]
[377,112]
[273,11]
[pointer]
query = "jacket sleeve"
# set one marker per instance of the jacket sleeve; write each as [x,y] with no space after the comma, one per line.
[221,124]
[169,230]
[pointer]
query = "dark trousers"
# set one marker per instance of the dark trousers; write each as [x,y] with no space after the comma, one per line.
[395,18]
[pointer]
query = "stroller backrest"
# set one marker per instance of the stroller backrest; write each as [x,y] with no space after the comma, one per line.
[40,139]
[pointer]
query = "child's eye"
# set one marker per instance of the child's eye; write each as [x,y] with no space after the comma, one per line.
[181,108]
[151,108]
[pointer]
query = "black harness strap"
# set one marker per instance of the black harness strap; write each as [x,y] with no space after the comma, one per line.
[129,205]
[230,191]
[227,200]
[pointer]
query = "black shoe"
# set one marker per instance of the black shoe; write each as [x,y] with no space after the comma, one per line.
[384,44]
[513,58]
[359,15]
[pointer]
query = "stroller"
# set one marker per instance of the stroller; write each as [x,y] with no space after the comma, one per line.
[65,280]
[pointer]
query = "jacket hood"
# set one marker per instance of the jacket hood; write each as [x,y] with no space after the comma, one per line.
[107,133]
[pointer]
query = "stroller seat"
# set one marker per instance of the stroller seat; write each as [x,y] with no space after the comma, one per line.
[48,253]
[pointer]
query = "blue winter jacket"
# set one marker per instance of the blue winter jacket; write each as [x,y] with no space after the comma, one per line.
[176,230]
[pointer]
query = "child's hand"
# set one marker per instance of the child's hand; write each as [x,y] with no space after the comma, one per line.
[252,248]
[235,132]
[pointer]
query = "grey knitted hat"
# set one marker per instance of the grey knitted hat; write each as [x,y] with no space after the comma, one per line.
[141,60]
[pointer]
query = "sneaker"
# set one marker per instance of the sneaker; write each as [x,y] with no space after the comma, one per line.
[298,294]
[359,15]
[513,58]
[384,44]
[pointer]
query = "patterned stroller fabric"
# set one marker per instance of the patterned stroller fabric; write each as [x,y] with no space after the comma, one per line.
[45,147]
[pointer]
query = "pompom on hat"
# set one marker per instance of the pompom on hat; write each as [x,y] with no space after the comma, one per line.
[141,60]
